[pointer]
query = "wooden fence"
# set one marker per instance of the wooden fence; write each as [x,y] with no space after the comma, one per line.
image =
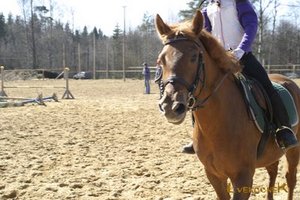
[135,72]
[290,70]
[283,69]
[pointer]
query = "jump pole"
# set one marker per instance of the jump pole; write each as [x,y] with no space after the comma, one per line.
[67,94]
[53,97]
[2,92]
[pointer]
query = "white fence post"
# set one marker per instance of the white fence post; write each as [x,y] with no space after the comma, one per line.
[294,69]
[2,92]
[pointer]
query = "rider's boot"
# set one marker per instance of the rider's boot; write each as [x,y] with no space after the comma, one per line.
[285,136]
[188,148]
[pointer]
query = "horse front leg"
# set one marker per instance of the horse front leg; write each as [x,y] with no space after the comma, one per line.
[242,184]
[220,186]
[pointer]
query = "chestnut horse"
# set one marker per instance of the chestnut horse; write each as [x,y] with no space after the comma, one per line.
[224,138]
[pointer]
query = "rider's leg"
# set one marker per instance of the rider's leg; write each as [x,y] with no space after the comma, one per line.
[188,148]
[285,137]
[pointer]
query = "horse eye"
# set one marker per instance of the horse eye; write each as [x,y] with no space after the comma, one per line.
[194,58]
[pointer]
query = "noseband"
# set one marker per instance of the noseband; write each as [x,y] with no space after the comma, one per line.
[175,79]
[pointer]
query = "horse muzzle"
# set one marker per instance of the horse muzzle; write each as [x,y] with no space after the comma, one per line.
[174,110]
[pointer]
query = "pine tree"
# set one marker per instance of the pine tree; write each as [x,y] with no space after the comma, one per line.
[2,26]
[117,32]
[117,47]
[195,5]
[95,32]
[192,7]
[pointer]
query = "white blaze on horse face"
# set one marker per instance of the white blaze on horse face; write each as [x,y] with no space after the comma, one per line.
[173,58]
[176,57]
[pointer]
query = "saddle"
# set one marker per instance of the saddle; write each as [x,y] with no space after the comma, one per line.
[260,108]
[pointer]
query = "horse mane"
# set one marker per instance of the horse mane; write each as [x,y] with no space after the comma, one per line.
[225,60]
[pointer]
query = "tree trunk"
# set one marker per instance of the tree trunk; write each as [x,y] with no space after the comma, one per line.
[34,60]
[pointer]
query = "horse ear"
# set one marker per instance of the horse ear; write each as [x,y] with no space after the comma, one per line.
[197,23]
[161,27]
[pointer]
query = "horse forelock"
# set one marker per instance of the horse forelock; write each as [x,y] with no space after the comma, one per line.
[180,29]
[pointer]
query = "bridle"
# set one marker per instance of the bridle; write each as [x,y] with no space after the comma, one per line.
[193,100]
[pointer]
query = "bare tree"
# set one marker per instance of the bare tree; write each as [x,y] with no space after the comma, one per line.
[34,60]
[274,16]
[263,20]
[23,4]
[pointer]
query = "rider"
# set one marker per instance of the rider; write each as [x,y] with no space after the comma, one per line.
[234,23]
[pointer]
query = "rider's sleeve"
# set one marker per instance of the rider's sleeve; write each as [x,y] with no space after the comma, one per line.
[248,20]
[207,24]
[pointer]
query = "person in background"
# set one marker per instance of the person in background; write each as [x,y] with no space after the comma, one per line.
[234,23]
[146,73]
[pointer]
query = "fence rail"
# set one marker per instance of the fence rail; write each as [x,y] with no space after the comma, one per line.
[282,69]
[292,70]
[135,72]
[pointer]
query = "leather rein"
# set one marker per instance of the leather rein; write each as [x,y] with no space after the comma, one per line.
[194,102]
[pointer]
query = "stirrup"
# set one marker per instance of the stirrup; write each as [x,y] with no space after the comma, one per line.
[286,138]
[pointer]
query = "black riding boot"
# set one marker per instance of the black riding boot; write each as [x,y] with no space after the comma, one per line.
[285,137]
[188,148]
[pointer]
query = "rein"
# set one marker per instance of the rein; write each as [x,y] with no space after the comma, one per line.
[200,103]
[193,101]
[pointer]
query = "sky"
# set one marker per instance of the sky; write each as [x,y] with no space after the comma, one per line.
[104,14]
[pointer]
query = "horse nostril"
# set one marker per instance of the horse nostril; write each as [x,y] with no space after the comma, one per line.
[179,108]
[161,108]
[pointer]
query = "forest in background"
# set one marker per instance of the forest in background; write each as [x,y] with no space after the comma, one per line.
[36,40]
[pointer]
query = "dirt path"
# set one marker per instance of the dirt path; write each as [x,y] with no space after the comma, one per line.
[109,143]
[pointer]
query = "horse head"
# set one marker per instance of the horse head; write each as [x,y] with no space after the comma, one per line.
[184,75]
[180,59]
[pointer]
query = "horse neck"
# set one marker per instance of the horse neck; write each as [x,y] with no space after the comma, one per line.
[213,75]
[223,102]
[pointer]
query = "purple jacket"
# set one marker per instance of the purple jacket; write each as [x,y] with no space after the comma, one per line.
[248,19]
[146,72]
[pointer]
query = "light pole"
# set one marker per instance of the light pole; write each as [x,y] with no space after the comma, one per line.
[124,34]
[94,55]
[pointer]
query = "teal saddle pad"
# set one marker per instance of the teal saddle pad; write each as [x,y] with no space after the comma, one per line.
[258,114]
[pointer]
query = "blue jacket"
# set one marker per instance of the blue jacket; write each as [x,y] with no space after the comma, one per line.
[146,72]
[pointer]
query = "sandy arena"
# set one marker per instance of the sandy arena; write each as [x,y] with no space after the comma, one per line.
[109,143]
